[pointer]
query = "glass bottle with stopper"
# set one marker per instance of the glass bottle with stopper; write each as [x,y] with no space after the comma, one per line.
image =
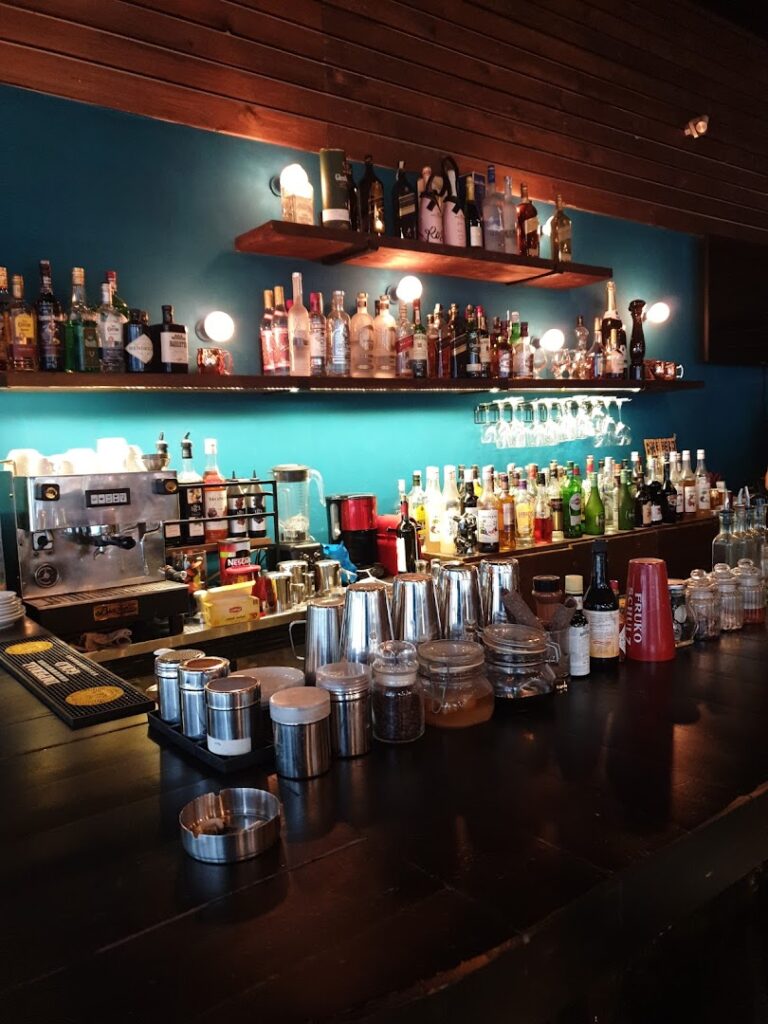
[637,340]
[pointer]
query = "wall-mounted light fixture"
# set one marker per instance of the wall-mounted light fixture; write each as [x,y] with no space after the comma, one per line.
[658,313]
[297,196]
[552,340]
[697,126]
[215,328]
[407,289]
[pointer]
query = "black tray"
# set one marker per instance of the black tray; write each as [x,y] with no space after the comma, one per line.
[161,732]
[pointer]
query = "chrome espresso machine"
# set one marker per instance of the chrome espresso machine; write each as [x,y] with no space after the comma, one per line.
[87,553]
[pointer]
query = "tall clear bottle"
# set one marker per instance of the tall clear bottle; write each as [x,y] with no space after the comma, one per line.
[111,350]
[337,338]
[81,339]
[50,323]
[493,214]
[435,510]
[266,338]
[317,334]
[451,512]
[403,343]
[488,517]
[281,338]
[384,332]
[510,218]
[688,481]
[524,509]
[560,235]
[361,339]
[298,330]
[703,495]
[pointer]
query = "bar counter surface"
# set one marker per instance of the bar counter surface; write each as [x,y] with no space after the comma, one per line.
[486,874]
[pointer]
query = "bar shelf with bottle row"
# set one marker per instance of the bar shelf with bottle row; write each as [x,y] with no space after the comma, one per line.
[267,489]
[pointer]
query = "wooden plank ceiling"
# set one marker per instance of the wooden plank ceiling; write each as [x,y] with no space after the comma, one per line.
[587,97]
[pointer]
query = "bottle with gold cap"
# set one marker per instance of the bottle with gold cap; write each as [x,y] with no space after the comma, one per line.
[560,233]
[23,329]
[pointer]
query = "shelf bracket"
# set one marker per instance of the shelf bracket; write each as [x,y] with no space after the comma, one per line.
[533,277]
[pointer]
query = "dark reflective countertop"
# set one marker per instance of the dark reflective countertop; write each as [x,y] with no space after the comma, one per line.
[472,875]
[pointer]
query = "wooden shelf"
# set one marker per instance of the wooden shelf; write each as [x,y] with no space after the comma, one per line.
[326,245]
[195,382]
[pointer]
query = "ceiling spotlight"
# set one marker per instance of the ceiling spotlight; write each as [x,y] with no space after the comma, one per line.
[697,126]
[658,313]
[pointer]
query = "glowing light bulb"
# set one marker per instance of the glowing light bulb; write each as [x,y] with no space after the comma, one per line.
[552,340]
[658,313]
[409,288]
[294,180]
[217,326]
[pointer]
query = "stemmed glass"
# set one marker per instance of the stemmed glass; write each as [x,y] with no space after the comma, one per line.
[623,433]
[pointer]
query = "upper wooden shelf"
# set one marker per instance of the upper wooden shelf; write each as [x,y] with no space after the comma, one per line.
[326,245]
[196,382]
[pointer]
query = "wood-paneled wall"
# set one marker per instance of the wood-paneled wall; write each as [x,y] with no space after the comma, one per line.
[589,97]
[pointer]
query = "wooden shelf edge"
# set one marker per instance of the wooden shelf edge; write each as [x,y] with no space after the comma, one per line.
[75,382]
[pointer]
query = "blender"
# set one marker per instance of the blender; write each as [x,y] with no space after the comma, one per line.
[293,482]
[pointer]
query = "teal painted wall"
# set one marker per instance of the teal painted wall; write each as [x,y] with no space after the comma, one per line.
[162,204]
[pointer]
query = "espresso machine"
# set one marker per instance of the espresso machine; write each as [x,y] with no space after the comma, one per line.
[87,552]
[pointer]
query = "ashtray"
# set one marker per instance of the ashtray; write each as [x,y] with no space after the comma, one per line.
[231,825]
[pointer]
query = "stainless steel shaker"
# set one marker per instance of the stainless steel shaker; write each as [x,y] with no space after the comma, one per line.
[279,591]
[459,605]
[497,575]
[322,633]
[296,569]
[167,674]
[301,725]
[193,675]
[327,576]
[349,684]
[414,608]
[367,621]
[233,706]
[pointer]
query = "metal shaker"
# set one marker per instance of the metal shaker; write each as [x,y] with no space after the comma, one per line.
[414,608]
[323,628]
[459,606]
[193,675]
[167,674]
[497,575]
[367,622]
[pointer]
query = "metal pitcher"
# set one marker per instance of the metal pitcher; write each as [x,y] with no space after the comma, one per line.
[497,575]
[459,603]
[367,621]
[323,627]
[414,608]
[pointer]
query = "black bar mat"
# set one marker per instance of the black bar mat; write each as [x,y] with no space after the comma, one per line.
[75,688]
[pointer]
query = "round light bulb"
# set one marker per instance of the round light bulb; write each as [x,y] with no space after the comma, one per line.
[218,326]
[293,179]
[658,313]
[409,288]
[552,340]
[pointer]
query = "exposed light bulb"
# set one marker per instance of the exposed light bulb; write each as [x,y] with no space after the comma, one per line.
[294,180]
[546,228]
[409,288]
[552,340]
[658,313]
[217,326]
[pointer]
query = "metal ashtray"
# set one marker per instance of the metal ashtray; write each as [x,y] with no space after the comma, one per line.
[232,825]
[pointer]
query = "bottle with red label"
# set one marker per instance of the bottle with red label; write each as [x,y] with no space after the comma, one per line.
[215,498]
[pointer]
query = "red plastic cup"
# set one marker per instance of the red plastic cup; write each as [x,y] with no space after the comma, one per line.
[648,628]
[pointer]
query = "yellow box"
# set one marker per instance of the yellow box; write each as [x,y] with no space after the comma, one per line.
[226,606]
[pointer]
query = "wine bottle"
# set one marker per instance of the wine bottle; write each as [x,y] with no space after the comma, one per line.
[404,205]
[372,200]
[473,218]
[527,225]
[405,535]
[601,608]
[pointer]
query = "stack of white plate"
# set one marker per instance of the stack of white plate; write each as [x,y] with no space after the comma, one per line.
[11,608]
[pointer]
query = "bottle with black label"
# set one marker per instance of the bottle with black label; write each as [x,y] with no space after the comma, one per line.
[474,366]
[601,607]
[190,497]
[138,345]
[173,344]
[404,205]
[405,536]
[50,323]
[236,506]
[578,630]
[254,503]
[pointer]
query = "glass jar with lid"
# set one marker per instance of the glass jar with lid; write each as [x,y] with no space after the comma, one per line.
[517,660]
[701,596]
[397,700]
[723,546]
[683,622]
[729,598]
[760,533]
[547,594]
[752,590]
[456,689]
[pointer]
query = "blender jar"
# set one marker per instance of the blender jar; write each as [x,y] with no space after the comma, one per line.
[293,501]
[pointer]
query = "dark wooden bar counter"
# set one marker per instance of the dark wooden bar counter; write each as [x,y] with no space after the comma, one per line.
[485,874]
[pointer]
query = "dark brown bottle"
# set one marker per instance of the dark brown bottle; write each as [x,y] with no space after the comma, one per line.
[601,607]
[527,225]
[50,323]
[404,205]
[173,344]
[372,200]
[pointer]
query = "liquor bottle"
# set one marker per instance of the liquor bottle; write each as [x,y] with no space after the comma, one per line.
[601,607]
[372,200]
[510,218]
[676,476]
[637,341]
[504,353]
[266,336]
[703,496]
[578,629]
[333,187]
[430,216]
[560,233]
[451,512]
[5,320]
[404,205]
[488,517]
[597,352]
[281,343]
[523,515]
[317,331]
[403,343]
[614,360]
[527,221]
[656,493]
[484,342]
[191,503]
[507,523]
[474,366]
[22,329]
[174,344]
[473,217]
[433,345]
[542,515]
[420,351]
[110,276]
[572,505]
[81,341]
[140,353]
[476,481]
[361,339]
[493,214]
[611,319]
[688,480]
[454,218]
[670,492]
[50,323]
[406,541]
[643,510]
[384,341]
[417,503]
[606,485]
[110,329]
[457,330]
[353,199]
[254,505]
[522,354]
[337,351]
[298,330]
[435,509]
[594,513]
[214,497]
[626,504]
[444,342]
[468,499]
[582,364]
[237,520]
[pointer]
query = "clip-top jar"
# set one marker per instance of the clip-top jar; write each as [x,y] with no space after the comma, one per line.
[517,660]
[729,598]
[349,684]
[703,602]
[167,674]
[398,705]
[193,675]
[752,590]
[683,621]
[456,689]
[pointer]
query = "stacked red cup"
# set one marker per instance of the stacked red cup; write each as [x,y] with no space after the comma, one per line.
[648,628]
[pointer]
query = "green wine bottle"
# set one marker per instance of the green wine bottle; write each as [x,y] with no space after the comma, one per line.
[594,513]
